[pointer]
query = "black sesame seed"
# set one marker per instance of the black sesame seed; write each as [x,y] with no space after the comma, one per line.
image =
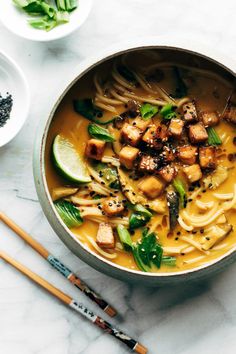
[5,108]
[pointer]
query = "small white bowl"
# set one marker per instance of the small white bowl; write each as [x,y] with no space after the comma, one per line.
[15,21]
[12,80]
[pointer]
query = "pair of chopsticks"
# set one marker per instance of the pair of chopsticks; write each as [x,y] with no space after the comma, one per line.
[66,299]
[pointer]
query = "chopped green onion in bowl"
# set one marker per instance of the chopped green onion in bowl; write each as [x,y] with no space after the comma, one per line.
[44,16]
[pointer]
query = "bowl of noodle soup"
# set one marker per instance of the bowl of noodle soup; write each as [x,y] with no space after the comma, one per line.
[135,165]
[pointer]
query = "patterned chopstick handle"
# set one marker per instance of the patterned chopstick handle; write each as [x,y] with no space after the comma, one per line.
[104,325]
[67,273]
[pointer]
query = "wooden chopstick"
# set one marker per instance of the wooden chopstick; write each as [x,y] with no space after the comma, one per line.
[60,267]
[69,301]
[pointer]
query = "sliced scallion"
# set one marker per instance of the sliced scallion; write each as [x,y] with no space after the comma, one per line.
[213,137]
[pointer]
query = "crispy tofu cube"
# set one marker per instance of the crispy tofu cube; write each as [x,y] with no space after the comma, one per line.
[112,207]
[176,127]
[148,164]
[150,137]
[151,186]
[168,173]
[187,154]
[128,155]
[140,123]
[207,157]
[131,134]
[230,114]
[193,173]
[95,149]
[197,133]
[209,119]
[105,237]
[168,154]
[162,133]
[190,112]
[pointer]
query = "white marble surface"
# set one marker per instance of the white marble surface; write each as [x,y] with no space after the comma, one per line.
[189,319]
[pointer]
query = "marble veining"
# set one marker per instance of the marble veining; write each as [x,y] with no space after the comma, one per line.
[190,319]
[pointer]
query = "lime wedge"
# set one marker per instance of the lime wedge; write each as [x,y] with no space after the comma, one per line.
[68,161]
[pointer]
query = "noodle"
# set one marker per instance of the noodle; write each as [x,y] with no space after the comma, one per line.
[183,225]
[96,187]
[105,107]
[97,85]
[224,196]
[107,100]
[231,204]
[100,250]
[121,80]
[119,97]
[145,99]
[193,243]
[194,260]
[204,206]
[82,201]
[112,160]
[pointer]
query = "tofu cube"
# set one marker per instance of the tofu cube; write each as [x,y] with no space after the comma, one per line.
[112,207]
[105,237]
[168,154]
[190,112]
[150,137]
[207,157]
[95,149]
[128,155]
[193,173]
[140,123]
[230,114]
[152,187]
[188,154]
[162,133]
[176,127]
[148,164]
[209,119]
[130,134]
[197,133]
[168,173]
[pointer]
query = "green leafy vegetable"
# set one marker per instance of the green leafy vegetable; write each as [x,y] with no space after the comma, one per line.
[146,247]
[68,213]
[148,111]
[100,133]
[167,111]
[126,73]
[141,210]
[156,255]
[138,260]
[124,236]
[148,251]
[169,261]
[173,205]
[137,220]
[181,89]
[180,189]
[213,137]
[88,110]
[109,175]
[145,252]
[140,217]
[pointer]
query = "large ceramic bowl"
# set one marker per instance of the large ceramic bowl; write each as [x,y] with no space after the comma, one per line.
[224,65]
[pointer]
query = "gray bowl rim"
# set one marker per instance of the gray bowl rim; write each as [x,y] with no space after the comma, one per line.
[96,261]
